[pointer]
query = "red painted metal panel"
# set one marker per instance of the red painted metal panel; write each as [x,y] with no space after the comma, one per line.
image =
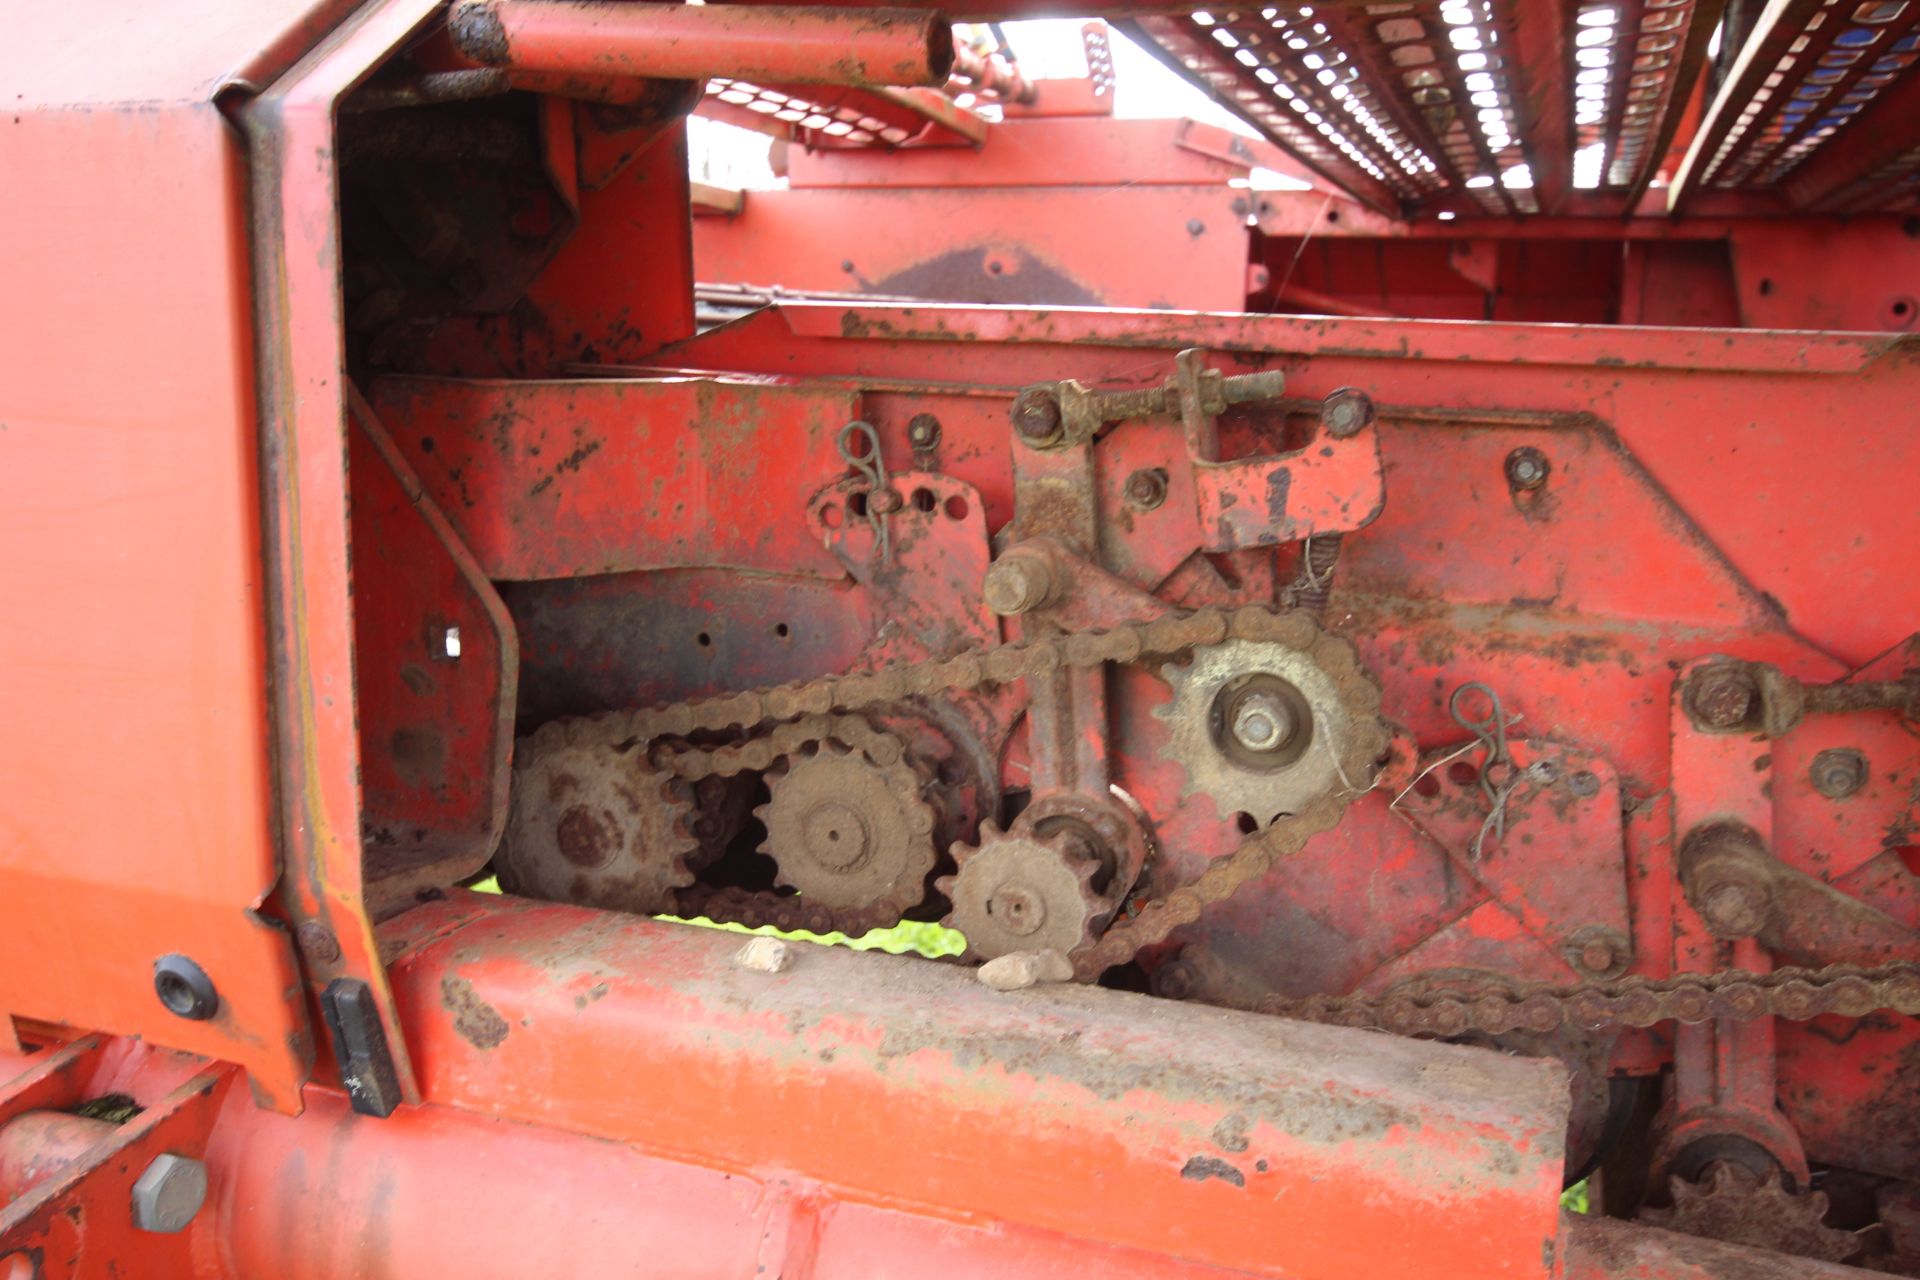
[135,813]
[568,479]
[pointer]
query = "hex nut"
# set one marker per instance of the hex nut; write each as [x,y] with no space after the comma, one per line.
[169,1193]
[1036,416]
[1146,488]
[1722,696]
[923,431]
[1838,772]
[1346,412]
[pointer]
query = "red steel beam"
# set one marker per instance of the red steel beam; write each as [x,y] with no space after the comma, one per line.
[772,44]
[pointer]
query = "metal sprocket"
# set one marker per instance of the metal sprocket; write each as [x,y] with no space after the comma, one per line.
[848,831]
[1022,891]
[1730,1202]
[1263,728]
[598,825]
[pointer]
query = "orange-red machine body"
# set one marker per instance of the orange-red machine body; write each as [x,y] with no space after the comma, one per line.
[358,440]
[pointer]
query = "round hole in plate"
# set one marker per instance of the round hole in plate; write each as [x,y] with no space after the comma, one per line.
[782,630]
[1246,824]
[922,499]
[1426,786]
[705,640]
[1463,773]
[956,508]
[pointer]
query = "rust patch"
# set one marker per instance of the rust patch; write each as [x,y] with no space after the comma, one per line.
[1201,1168]
[478,1023]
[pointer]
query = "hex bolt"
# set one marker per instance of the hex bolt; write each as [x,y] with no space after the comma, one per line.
[1527,468]
[1838,772]
[168,1195]
[1262,722]
[1346,412]
[1146,488]
[1722,696]
[923,432]
[1036,417]
[1019,582]
[184,988]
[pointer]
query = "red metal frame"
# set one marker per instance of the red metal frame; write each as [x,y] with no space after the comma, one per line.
[259,573]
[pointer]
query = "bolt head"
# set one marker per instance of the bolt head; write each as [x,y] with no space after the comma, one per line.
[1346,412]
[169,1193]
[1527,468]
[1262,722]
[1597,956]
[1838,772]
[1146,489]
[1036,416]
[1016,584]
[317,942]
[923,431]
[1584,783]
[1722,697]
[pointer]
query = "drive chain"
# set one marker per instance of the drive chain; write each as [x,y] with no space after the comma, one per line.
[1444,1006]
[811,709]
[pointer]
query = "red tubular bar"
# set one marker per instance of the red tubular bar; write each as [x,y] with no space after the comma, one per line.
[767,45]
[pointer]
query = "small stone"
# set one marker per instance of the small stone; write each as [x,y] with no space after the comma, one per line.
[1022,969]
[765,955]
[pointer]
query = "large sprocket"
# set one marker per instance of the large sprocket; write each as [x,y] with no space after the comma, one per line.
[1264,729]
[596,825]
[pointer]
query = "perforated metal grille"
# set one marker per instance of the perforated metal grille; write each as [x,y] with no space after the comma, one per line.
[1812,75]
[847,123]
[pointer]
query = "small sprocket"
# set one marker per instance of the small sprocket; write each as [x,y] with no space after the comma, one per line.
[1733,1203]
[1022,891]
[596,825]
